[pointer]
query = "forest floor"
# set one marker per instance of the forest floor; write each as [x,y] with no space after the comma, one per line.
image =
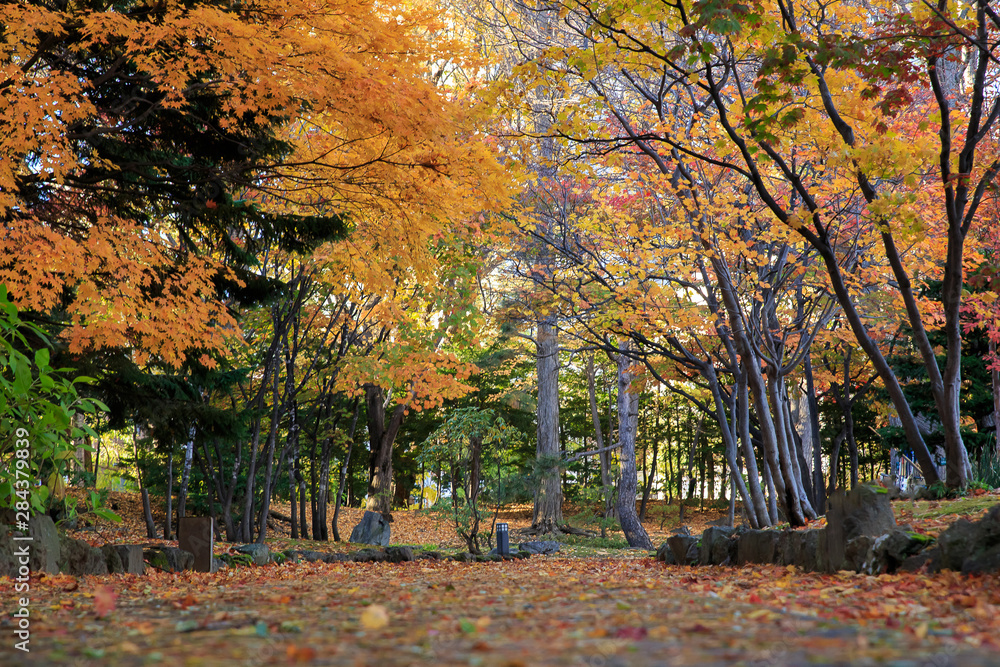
[596,605]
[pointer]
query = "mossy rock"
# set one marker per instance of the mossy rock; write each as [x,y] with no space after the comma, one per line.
[237,560]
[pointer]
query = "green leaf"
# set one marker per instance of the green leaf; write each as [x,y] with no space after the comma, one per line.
[107,515]
[22,375]
[42,357]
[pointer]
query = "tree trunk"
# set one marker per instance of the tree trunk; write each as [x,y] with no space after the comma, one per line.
[475,469]
[995,375]
[628,418]
[382,436]
[547,515]
[604,457]
[344,472]
[819,497]
[182,494]
[147,514]
[168,526]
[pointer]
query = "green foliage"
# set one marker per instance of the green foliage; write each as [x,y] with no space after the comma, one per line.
[451,445]
[936,491]
[986,470]
[38,404]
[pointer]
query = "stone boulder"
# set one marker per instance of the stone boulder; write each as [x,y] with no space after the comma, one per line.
[865,510]
[168,559]
[78,558]
[798,548]
[972,547]
[757,546]
[401,554]
[665,554]
[536,547]
[370,556]
[891,551]
[685,549]
[373,529]
[112,559]
[717,546]
[259,553]
[45,545]
[8,561]
[131,557]
[859,552]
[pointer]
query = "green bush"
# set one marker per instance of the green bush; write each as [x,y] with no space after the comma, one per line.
[37,405]
[986,469]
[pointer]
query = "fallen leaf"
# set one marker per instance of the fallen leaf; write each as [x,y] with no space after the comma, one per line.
[374,617]
[104,601]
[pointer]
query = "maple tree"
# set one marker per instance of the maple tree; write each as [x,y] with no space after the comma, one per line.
[766,93]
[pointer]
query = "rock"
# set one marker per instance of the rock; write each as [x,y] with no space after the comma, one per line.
[957,543]
[982,562]
[112,559]
[429,555]
[864,510]
[45,546]
[716,545]
[757,546]
[464,557]
[685,549]
[399,554]
[373,529]
[665,554]
[892,550]
[168,559]
[800,548]
[311,556]
[259,553]
[369,556]
[218,564]
[131,558]
[78,558]
[540,547]
[859,552]
[8,561]
[928,558]
[972,547]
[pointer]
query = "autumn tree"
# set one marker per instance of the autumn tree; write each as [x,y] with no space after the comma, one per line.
[816,109]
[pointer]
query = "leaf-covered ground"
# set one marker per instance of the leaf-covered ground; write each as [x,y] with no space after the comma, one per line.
[612,607]
[546,610]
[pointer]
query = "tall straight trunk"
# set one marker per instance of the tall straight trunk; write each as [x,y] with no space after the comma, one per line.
[995,376]
[668,462]
[168,526]
[547,515]
[819,497]
[182,494]
[852,448]
[604,457]
[277,409]
[344,471]
[147,511]
[628,418]
[651,477]
[147,514]
[340,490]
[760,510]
[838,442]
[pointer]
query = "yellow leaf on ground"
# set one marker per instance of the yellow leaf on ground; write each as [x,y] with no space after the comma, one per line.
[374,617]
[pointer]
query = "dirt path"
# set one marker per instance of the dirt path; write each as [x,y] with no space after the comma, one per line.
[542,611]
